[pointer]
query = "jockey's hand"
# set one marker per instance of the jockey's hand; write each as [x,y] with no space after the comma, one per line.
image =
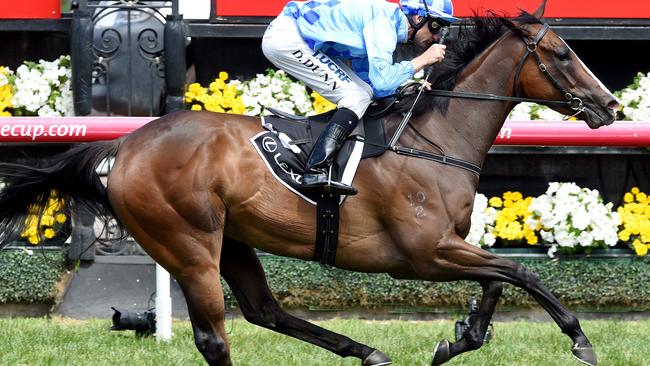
[435,53]
[432,55]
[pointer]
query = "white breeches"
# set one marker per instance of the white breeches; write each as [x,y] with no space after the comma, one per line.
[283,45]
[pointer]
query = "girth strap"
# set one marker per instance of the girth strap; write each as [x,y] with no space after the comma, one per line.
[327,228]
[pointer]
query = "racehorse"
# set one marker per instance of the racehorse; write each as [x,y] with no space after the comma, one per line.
[191,189]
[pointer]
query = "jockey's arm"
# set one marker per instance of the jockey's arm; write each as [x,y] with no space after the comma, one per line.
[380,40]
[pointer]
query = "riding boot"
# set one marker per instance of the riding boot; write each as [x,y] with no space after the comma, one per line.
[317,177]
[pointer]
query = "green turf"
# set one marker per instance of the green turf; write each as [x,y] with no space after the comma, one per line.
[71,342]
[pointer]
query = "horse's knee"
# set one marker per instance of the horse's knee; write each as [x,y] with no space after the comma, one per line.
[213,348]
[527,278]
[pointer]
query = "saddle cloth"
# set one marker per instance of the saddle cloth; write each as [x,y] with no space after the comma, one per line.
[288,140]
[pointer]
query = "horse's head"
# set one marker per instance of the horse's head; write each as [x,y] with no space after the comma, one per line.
[550,70]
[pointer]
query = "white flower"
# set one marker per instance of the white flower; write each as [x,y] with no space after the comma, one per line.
[547,114]
[521,112]
[573,216]
[551,250]
[43,88]
[47,111]
[275,90]
[636,104]
[489,239]
[4,80]
[482,218]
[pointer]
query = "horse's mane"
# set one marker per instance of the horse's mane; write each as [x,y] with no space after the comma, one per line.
[475,35]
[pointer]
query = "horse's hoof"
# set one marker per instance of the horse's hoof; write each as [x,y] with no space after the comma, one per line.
[376,358]
[585,355]
[441,354]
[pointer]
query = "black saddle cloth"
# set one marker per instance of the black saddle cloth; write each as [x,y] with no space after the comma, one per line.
[288,141]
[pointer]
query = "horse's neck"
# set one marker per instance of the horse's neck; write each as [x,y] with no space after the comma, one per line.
[470,126]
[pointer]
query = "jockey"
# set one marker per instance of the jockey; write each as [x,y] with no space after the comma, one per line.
[343,49]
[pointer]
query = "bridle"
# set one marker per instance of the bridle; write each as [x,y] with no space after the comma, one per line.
[570,101]
[574,103]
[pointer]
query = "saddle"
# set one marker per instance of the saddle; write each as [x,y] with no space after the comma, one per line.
[288,140]
[285,146]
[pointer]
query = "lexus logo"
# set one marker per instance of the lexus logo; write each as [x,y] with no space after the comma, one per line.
[269,144]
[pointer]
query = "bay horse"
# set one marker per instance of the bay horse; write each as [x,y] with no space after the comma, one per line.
[192,190]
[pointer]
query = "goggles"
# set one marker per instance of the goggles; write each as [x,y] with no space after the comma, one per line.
[434,24]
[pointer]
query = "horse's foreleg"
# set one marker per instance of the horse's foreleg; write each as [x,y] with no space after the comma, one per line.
[473,337]
[242,270]
[454,259]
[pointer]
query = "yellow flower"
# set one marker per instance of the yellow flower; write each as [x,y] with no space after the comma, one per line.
[512,196]
[628,197]
[641,197]
[217,85]
[223,75]
[196,107]
[495,202]
[195,91]
[61,218]
[635,190]
[47,220]
[624,235]
[640,249]
[34,239]
[49,233]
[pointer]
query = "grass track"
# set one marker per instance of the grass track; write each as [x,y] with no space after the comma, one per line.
[72,342]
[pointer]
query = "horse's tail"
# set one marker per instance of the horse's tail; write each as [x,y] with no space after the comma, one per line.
[70,178]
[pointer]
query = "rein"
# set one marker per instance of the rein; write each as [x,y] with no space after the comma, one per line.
[572,102]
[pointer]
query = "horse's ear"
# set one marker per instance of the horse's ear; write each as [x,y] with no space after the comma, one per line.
[512,26]
[539,13]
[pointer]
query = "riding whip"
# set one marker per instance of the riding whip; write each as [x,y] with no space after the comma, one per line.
[444,32]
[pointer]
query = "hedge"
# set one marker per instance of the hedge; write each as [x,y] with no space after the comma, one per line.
[29,276]
[589,284]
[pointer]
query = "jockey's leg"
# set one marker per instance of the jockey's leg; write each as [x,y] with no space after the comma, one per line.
[325,149]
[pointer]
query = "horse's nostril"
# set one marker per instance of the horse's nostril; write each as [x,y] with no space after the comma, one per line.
[613,105]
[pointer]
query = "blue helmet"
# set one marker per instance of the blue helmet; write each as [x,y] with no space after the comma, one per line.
[442,9]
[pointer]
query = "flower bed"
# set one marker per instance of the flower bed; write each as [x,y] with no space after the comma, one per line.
[274,89]
[40,88]
[566,219]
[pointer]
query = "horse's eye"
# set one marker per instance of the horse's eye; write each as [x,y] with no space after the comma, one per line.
[564,55]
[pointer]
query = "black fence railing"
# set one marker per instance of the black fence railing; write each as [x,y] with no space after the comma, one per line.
[128,57]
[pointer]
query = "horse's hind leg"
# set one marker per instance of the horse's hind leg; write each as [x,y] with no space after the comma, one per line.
[473,337]
[201,286]
[192,257]
[245,276]
[454,259]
